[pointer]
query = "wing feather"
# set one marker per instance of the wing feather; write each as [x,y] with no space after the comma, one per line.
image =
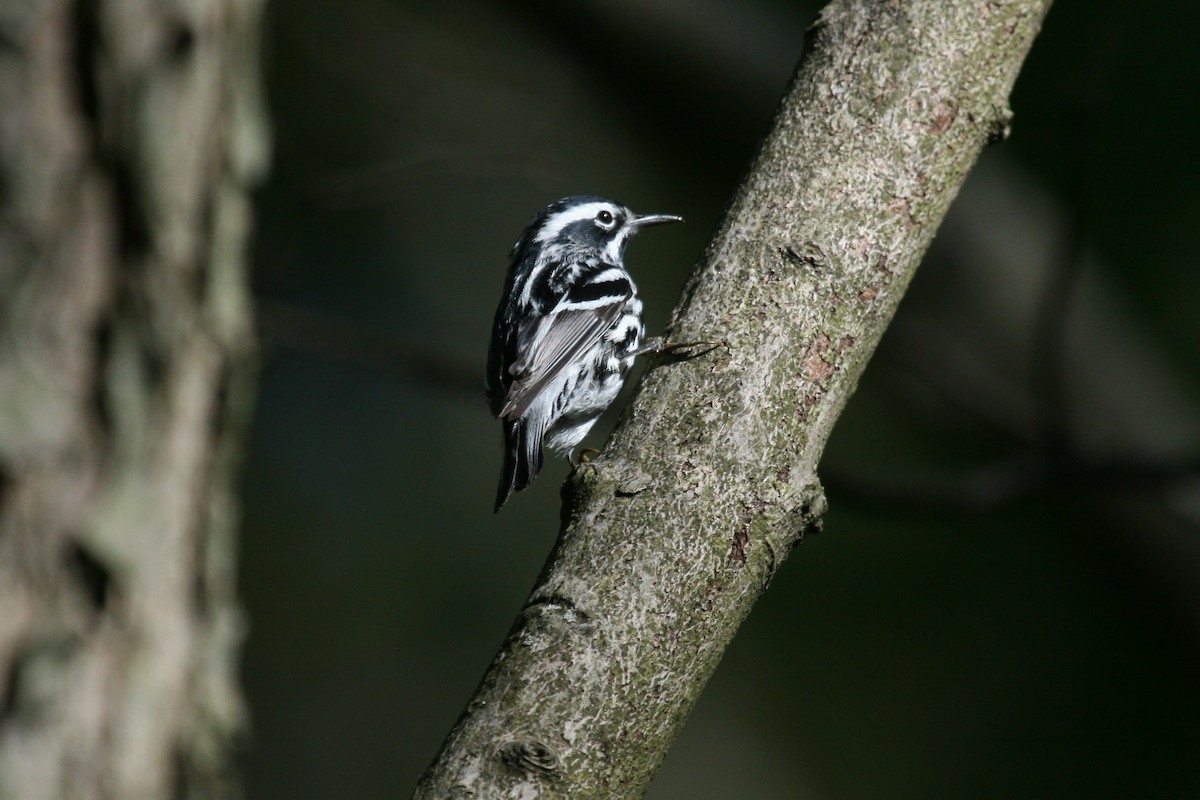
[549,345]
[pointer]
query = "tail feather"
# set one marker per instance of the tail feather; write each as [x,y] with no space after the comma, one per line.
[522,458]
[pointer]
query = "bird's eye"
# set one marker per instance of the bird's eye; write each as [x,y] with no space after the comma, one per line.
[605,218]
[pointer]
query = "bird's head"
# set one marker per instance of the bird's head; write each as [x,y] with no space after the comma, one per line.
[590,222]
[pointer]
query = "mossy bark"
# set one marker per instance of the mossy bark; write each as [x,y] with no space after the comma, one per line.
[671,535]
[129,132]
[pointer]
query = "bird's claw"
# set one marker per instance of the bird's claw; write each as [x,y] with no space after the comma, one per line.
[585,456]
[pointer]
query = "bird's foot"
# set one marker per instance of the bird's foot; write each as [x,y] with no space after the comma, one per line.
[660,346]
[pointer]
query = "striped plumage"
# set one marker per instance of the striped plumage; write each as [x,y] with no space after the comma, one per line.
[567,330]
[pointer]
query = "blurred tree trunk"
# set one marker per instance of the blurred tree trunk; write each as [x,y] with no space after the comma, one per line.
[129,133]
[671,535]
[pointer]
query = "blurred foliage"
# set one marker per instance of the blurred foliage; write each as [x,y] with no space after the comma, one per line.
[1006,598]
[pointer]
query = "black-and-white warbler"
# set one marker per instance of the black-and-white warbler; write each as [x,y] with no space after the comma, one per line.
[567,330]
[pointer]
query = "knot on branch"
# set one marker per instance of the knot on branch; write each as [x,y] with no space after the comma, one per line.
[1000,125]
[813,256]
[530,756]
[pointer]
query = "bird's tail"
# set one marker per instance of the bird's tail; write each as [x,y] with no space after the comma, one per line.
[522,458]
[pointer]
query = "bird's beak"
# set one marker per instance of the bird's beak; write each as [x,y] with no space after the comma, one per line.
[654,219]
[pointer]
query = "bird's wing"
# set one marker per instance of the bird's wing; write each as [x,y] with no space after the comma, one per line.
[500,355]
[549,344]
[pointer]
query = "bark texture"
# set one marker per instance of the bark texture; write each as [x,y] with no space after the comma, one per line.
[671,536]
[129,132]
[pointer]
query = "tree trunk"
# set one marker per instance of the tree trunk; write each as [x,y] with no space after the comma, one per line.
[671,536]
[129,133]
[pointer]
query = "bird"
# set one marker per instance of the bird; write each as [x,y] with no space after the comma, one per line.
[566,332]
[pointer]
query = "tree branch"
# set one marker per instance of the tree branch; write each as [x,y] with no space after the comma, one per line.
[132,133]
[671,536]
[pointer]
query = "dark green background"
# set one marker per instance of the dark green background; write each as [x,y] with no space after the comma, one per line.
[1006,598]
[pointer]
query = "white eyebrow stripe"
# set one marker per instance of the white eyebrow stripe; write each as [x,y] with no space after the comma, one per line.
[554,225]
